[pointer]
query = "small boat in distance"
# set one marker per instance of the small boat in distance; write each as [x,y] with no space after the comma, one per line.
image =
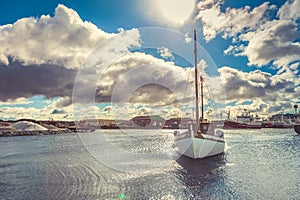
[243,121]
[202,138]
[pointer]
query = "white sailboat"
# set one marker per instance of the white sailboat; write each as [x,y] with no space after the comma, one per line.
[201,139]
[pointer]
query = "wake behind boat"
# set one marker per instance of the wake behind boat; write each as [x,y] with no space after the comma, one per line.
[202,138]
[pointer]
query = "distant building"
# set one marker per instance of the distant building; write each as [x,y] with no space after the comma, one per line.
[152,121]
[178,122]
[5,126]
[107,122]
[88,123]
[285,117]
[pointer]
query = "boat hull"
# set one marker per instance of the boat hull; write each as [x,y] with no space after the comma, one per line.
[297,128]
[238,125]
[200,147]
[276,125]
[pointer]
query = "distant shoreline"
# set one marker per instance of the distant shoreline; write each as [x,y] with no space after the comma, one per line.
[12,133]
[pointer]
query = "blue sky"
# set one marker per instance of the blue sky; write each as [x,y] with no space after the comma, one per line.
[229,31]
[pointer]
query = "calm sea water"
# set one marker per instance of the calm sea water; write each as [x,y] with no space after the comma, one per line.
[257,164]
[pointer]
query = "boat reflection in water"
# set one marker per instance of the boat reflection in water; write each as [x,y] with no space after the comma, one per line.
[204,177]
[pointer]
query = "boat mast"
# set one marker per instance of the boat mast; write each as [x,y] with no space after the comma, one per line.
[196,81]
[201,89]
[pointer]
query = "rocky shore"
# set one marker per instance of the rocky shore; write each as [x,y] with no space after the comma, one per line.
[10,133]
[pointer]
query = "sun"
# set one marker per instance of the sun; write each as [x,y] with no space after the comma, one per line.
[176,11]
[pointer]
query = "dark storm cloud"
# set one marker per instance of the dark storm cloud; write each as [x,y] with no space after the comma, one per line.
[50,81]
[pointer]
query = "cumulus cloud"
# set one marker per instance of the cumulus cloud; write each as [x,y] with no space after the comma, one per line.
[141,78]
[188,38]
[153,94]
[230,22]
[138,80]
[290,10]
[64,39]
[18,101]
[45,113]
[20,112]
[254,34]
[60,103]
[273,41]
[56,111]
[266,92]
[165,53]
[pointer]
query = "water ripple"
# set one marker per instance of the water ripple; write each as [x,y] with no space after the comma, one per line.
[256,165]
